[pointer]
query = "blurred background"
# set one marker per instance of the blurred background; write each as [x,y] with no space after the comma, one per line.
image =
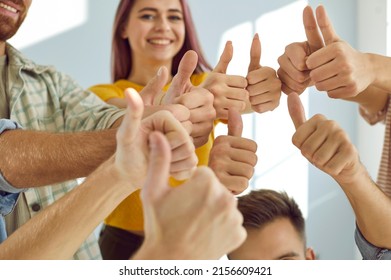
[75,37]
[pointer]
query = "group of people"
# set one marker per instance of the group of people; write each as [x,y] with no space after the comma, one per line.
[163,184]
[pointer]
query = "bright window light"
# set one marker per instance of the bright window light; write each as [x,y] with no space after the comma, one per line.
[49,18]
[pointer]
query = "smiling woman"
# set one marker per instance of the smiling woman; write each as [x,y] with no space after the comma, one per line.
[156,32]
[148,35]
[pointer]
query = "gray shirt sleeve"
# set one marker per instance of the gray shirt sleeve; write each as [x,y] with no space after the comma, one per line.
[5,186]
[369,251]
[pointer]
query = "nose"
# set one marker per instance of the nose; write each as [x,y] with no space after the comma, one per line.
[162,24]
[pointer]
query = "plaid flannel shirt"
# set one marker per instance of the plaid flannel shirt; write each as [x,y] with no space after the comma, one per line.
[41,98]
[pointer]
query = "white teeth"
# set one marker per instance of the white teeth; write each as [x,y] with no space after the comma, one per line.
[159,41]
[8,8]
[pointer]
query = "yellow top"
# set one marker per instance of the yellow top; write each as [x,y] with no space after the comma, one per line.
[129,214]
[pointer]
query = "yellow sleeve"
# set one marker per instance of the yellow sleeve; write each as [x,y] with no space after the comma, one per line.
[107,91]
[197,79]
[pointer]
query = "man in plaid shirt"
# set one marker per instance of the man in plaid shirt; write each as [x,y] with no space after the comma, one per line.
[40,98]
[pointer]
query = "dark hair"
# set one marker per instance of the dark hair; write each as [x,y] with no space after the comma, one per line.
[260,207]
[121,57]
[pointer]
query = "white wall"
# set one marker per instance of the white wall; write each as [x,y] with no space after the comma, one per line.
[73,35]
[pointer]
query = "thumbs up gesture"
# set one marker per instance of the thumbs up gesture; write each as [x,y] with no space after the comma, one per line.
[264,86]
[338,68]
[324,144]
[132,154]
[229,91]
[151,92]
[198,100]
[183,215]
[324,60]
[293,72]
[232,157]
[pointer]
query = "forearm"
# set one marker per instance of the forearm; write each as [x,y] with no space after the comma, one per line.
[373,99]
[372,209]
[32,158]
[119,102]
[58,231]
[381,67]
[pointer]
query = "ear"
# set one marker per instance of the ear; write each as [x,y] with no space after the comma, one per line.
[123,31]
[309,254]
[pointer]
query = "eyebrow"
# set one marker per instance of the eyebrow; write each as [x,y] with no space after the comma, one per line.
[287,255]
[156,10]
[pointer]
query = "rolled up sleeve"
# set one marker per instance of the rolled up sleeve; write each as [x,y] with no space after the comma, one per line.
[5,187]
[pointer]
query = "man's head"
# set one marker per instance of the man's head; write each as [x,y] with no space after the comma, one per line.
[12,15]
[275,228]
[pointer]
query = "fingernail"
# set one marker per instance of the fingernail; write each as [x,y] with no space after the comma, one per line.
[159,72]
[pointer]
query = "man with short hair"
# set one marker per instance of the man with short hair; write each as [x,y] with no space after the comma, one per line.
[275,228]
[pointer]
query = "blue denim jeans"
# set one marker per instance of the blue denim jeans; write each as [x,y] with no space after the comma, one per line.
[7,204]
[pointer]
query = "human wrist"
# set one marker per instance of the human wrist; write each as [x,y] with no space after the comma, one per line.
[116,177]
[359,177]
[378,66]
[371,65]
[108,187]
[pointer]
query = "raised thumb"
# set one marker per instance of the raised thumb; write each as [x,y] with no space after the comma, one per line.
[158,167]
[181,81]
[131,122]
[225,58]
[296,109]
[325,26]
[255,54]
[154,86]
